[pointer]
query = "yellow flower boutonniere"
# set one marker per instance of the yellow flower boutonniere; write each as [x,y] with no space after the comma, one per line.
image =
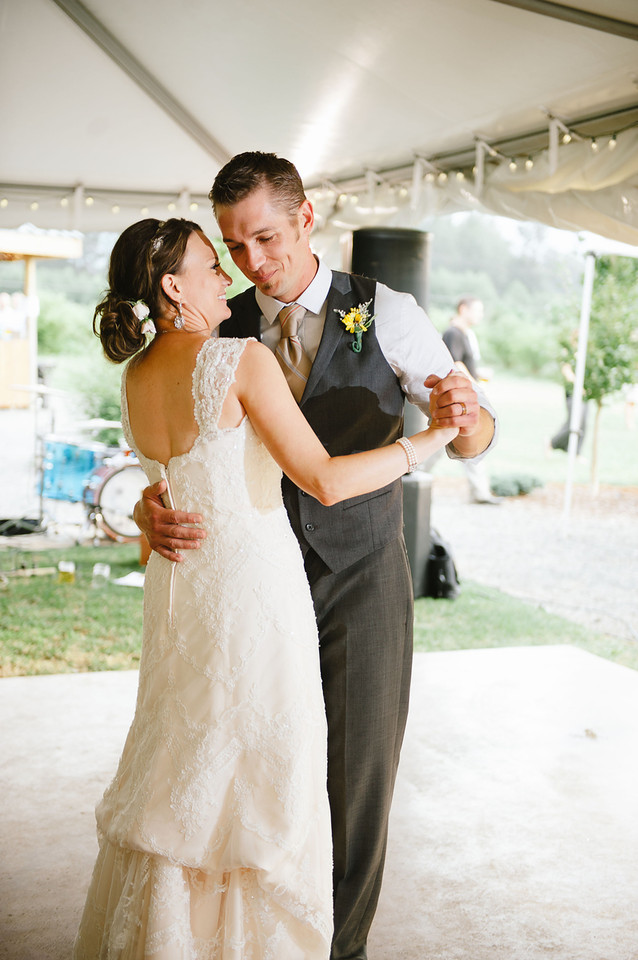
[356,321]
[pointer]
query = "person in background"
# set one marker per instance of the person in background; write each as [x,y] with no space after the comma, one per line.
[560,440]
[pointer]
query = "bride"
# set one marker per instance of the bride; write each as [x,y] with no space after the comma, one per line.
[215,832]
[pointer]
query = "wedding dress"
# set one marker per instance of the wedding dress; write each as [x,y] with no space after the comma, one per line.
[215,833]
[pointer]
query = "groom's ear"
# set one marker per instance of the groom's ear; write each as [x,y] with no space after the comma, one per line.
[306,217]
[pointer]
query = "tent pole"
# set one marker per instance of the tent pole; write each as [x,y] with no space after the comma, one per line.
[579,380]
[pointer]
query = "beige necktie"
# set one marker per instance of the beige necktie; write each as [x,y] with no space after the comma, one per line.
[294,362]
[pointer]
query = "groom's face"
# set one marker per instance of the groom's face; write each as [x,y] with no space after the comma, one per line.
[270,247]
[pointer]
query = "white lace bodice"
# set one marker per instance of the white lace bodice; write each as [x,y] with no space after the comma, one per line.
[241,474]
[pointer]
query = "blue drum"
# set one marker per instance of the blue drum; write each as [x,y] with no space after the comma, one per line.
[67,468]
[111,494]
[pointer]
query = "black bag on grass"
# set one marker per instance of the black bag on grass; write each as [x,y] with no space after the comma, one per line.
[441,578]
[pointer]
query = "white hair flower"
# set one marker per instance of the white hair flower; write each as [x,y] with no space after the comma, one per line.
[140,309]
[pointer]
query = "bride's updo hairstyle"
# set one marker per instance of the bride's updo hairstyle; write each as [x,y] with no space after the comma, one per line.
[141,256]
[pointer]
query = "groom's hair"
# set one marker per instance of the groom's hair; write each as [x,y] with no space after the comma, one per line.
[249,171]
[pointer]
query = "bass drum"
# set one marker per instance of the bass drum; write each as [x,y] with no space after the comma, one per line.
[113,493]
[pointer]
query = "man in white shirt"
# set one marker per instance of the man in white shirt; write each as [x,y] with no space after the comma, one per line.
[352,394]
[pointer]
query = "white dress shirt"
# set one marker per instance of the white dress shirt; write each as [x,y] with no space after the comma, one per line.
[408,340]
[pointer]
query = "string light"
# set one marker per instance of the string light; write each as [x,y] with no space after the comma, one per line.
[560,134]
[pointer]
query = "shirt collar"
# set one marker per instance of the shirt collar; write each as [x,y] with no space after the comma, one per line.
[313,297]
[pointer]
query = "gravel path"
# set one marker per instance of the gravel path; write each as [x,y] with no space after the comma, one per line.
[587,572]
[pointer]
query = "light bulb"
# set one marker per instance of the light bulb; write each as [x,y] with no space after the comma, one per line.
[594,145]
[115,208]
[529,163]
[89,201]
[612,142]
[567,138]
[64,202]
[4,203]
[171,206]
[513,165]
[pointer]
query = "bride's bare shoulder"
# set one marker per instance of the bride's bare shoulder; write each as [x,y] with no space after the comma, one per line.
[256,355]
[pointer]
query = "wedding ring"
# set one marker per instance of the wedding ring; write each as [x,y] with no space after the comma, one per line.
[463,408]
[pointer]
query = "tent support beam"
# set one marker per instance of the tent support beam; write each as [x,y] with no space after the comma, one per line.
[579,381]
[131,66]
[620,28]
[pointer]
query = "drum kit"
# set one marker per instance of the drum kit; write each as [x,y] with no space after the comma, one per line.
[106,480]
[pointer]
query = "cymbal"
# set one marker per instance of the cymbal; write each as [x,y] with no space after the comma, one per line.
[97,423]
[40,389]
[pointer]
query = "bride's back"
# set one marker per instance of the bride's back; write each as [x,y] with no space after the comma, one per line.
[159,388]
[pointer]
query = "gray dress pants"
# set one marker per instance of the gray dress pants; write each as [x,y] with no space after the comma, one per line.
[365,620]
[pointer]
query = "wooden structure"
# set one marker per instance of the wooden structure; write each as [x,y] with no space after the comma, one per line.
[19,353]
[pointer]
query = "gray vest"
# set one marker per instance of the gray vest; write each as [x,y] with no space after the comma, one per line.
[354,402]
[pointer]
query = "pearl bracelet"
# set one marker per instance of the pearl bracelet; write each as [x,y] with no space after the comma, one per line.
[410,453]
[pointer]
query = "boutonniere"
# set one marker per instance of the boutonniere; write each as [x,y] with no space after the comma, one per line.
[356,321]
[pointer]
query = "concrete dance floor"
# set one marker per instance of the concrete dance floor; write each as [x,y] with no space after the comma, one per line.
[514,832]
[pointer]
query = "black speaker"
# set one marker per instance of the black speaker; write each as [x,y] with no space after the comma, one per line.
[401,259]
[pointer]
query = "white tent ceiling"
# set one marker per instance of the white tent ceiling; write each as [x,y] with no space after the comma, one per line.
[135,104]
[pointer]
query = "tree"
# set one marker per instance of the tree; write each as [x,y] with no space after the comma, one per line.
[612,349]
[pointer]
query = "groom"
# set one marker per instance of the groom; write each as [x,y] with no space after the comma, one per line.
[354,551]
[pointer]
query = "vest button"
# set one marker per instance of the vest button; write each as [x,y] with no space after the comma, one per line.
[303,493]
[310,527]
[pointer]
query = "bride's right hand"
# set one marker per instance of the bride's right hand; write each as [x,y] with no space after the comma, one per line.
[166,530]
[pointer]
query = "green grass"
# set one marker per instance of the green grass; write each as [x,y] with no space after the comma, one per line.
[51,627]
[530,411]
[47,627]
[482,617]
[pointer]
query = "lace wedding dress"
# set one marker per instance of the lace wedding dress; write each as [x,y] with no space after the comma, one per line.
[215,833]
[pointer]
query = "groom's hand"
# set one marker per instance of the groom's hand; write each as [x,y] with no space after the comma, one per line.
[166,530]
[454,403]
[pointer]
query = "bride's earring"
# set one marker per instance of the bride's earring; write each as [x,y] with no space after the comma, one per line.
[178,321]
